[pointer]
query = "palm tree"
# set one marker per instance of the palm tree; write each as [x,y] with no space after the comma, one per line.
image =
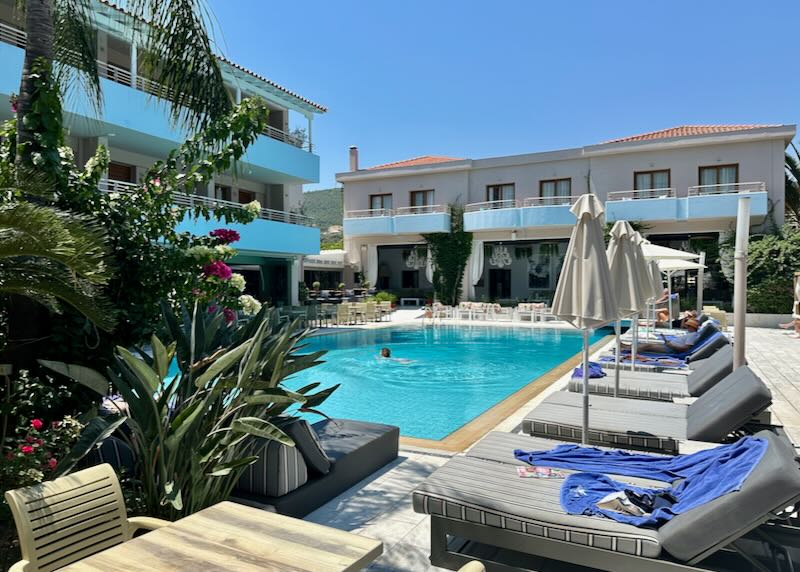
[52,256]
[792,196]
[177,54]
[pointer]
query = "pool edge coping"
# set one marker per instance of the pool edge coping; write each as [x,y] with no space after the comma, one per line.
[472,431]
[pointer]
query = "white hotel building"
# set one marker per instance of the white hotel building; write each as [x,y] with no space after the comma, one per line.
[681,184]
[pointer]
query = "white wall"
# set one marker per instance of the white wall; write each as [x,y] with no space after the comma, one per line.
[448,188]
[526,178]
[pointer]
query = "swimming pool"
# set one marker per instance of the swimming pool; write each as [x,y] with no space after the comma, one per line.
[455,373]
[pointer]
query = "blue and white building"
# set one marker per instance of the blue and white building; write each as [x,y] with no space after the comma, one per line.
[135,127]
[681,184]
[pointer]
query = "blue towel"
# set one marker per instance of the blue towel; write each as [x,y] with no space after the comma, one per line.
[595,371]
[662,361]
[706,475]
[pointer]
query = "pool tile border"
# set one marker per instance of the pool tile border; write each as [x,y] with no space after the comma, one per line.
[463,437]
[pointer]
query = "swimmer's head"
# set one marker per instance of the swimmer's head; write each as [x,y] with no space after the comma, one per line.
[386,352]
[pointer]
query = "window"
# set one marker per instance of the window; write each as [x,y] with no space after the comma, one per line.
[646,180]
[121,172]
[555,188]
[422,199]
[719,175]
[222,192]
[500,192]
[246,196]
[410,279]
[380,202]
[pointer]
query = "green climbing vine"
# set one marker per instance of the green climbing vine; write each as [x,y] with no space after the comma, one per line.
[450,252]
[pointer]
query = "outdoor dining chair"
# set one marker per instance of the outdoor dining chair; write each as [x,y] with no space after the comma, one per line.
[70,518]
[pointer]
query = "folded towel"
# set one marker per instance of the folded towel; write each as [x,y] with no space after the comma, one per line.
[595,371]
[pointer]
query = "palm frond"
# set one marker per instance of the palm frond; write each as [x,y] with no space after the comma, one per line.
[178,55]
[75,51]
[78,243]
[42,280]
[792,184]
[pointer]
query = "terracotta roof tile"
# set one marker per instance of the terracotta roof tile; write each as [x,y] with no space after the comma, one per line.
[423,160]
[687,131]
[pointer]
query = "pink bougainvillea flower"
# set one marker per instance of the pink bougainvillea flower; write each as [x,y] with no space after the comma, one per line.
[37,424]
[39,442]
[26,449]
[218,269]
[29,439]
[230,315]
[55,424]
[156,182]
[52,464]
[212,308]
[225,235]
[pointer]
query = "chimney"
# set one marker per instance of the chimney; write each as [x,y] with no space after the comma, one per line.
[353,158]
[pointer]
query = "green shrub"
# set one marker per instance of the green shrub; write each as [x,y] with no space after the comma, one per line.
[772,296]
[383,297]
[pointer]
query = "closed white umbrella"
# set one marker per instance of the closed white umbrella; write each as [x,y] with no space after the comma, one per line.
[585,293]
[627,271]
[429,266]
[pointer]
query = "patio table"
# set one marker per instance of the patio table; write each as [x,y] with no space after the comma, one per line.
[230,536]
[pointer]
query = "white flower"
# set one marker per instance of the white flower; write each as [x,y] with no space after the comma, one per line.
[253,207]
[37,159]
[250,306]
[237,281]
[66,153]
[200,252]
[224,251]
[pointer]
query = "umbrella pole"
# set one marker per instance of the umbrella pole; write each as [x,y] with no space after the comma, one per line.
[585,429]
[669,300]
[618,332]
[634,340]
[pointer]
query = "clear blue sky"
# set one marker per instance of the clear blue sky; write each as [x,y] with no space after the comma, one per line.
[477,79]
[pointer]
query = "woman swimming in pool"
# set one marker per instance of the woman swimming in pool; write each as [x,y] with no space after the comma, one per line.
[387,354]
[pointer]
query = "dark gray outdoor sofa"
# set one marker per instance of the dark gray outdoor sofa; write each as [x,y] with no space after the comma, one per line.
[653,425]
[663,386]
[481,509]
[330,456]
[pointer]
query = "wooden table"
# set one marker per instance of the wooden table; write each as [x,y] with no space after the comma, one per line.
[234,537]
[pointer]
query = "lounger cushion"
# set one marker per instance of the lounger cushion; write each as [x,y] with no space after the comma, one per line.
[773,485]
[727,406]
[632,388]
[625,429]
[486,492]
[710,371]
[278,471]
[621,405]
[307,442]
[715,343]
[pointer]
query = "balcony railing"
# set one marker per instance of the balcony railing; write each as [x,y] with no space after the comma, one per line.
[550,201]
[488,205]
[422,209]
[112,186]
[115,73]
[368,213]
[727,188]
[641,194]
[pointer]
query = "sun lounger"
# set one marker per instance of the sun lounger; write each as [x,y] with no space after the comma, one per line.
[479,503]
[664,386]
[652,425]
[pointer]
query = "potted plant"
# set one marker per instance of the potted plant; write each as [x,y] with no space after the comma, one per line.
[315,285]
[341,286]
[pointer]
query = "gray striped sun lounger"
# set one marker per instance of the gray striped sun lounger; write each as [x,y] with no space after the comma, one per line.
[480,508]
[653,425]
[663,386]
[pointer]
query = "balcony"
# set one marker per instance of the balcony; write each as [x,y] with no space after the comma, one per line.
[512,214]
[403,220]
[141,126]
[702,202]
[273,232]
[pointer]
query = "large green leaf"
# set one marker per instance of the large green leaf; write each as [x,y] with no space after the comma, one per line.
[260,428]
[316,399]
[224,469]
[274,395]
[86,376]
[145,374]
[172,495]
[223,363]
[161,356]
[95,432]
[182,423]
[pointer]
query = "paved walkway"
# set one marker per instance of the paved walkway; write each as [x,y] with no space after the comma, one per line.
[380,506]
[774,355]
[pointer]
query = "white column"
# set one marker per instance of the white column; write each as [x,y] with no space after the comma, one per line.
[294,279]
[740,281]
[700,279]
[237,95]
[310,145]
[134,64]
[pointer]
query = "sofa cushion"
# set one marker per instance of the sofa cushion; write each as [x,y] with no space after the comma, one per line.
[306,441]
[278,471]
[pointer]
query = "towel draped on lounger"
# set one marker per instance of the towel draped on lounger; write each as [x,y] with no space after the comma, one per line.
[697,478]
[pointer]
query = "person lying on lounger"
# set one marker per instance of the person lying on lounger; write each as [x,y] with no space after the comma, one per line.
[679,345]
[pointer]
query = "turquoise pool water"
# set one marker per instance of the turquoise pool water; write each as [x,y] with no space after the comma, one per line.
[455,373]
